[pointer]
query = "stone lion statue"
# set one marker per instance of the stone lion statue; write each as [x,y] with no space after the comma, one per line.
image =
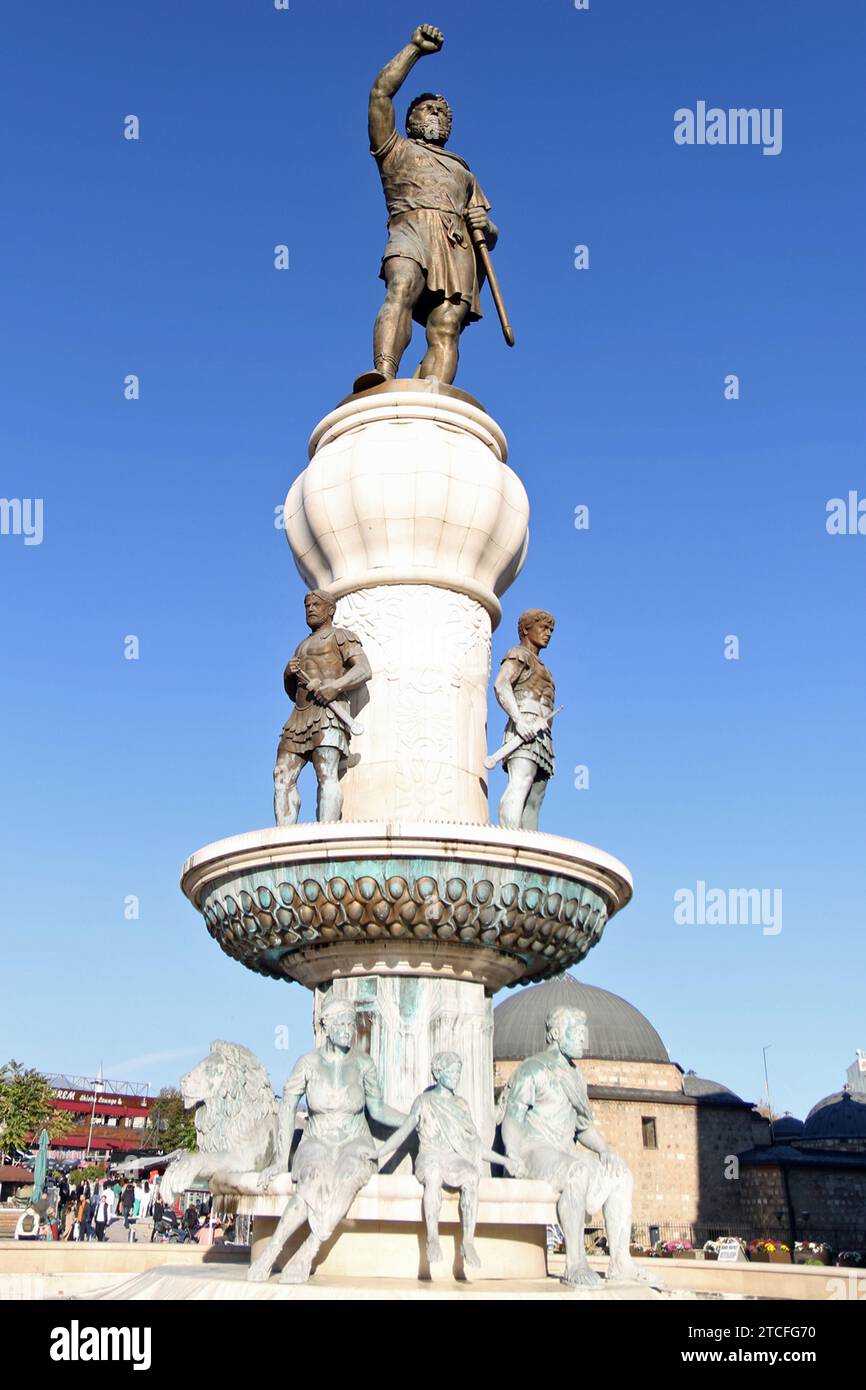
[236,1120]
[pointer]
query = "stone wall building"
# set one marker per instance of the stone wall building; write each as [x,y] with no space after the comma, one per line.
[812,1180]
[705,1162]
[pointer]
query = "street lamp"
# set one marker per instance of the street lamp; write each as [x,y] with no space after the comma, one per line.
[98,1086]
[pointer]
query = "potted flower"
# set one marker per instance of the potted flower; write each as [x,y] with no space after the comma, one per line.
[679,1250]
[811,1252]
[769,1252]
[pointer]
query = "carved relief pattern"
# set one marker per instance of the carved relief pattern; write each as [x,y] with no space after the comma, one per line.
[288,911]
[425,708]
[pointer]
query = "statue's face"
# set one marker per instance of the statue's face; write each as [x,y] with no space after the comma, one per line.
[540,632]
[317,610]
[449,1076]
[340,1029]
[573,1037]
[430,121]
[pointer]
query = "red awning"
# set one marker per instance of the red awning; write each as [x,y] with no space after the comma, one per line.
[13,1172]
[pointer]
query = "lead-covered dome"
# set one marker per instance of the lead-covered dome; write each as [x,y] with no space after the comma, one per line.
[702,1088]
[617,1030]
[841,1115]
[788,1127]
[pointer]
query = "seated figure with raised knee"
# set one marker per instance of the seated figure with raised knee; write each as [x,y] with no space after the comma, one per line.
[543,1109]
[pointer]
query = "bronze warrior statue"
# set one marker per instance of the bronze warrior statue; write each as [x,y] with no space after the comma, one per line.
[525,690]
[326,665]
[436,212]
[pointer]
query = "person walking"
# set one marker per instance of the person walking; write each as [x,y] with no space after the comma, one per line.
[127,1204]
[81,1223]
[101,1215]
[68,1221]
[86,1231]
[62,1201]
[158,1213]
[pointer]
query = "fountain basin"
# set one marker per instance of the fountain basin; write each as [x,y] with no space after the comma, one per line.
[314,903]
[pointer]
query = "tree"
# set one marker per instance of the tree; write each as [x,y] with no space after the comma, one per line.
[25,1108]
[169,1125]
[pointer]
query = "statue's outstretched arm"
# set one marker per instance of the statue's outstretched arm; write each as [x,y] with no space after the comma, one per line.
[399,1136]
[381,123]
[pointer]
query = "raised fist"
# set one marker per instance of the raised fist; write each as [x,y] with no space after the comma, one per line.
[428,38]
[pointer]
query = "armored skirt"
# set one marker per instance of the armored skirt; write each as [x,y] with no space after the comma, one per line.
[312,726]
[538,749]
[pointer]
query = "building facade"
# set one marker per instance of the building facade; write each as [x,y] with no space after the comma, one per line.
[105,1117]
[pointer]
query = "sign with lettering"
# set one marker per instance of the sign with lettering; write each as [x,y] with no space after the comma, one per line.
[731,1251]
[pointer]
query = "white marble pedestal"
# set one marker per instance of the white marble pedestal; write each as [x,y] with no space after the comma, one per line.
[383,1234]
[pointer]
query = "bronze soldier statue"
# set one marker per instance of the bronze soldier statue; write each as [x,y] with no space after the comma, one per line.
[327,664]
[435,208]
[525,690]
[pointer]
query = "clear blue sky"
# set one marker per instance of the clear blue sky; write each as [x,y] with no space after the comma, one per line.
[707,516]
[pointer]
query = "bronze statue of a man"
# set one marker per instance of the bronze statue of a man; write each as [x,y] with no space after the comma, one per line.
[525,690]
[327,665]
[434,203]
[543,1108]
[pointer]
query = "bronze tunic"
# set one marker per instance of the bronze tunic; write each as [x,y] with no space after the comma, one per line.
[311,725]
[428,191]
[534,692]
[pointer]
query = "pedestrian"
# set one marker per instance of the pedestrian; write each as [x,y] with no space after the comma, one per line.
[62,1200]
[68,1221]
[101,1215]
[211,1233]
[86,1231]
[127,1204]
[80,1212]
[158,1212]
[190,1224]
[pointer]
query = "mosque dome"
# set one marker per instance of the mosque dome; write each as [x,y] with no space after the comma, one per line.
[617,1030]
[703,1089]
[839,1116]
[788,1127]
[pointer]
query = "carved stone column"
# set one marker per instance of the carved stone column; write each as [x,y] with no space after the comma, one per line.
[409,515]
[424,713]
[404,1021]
